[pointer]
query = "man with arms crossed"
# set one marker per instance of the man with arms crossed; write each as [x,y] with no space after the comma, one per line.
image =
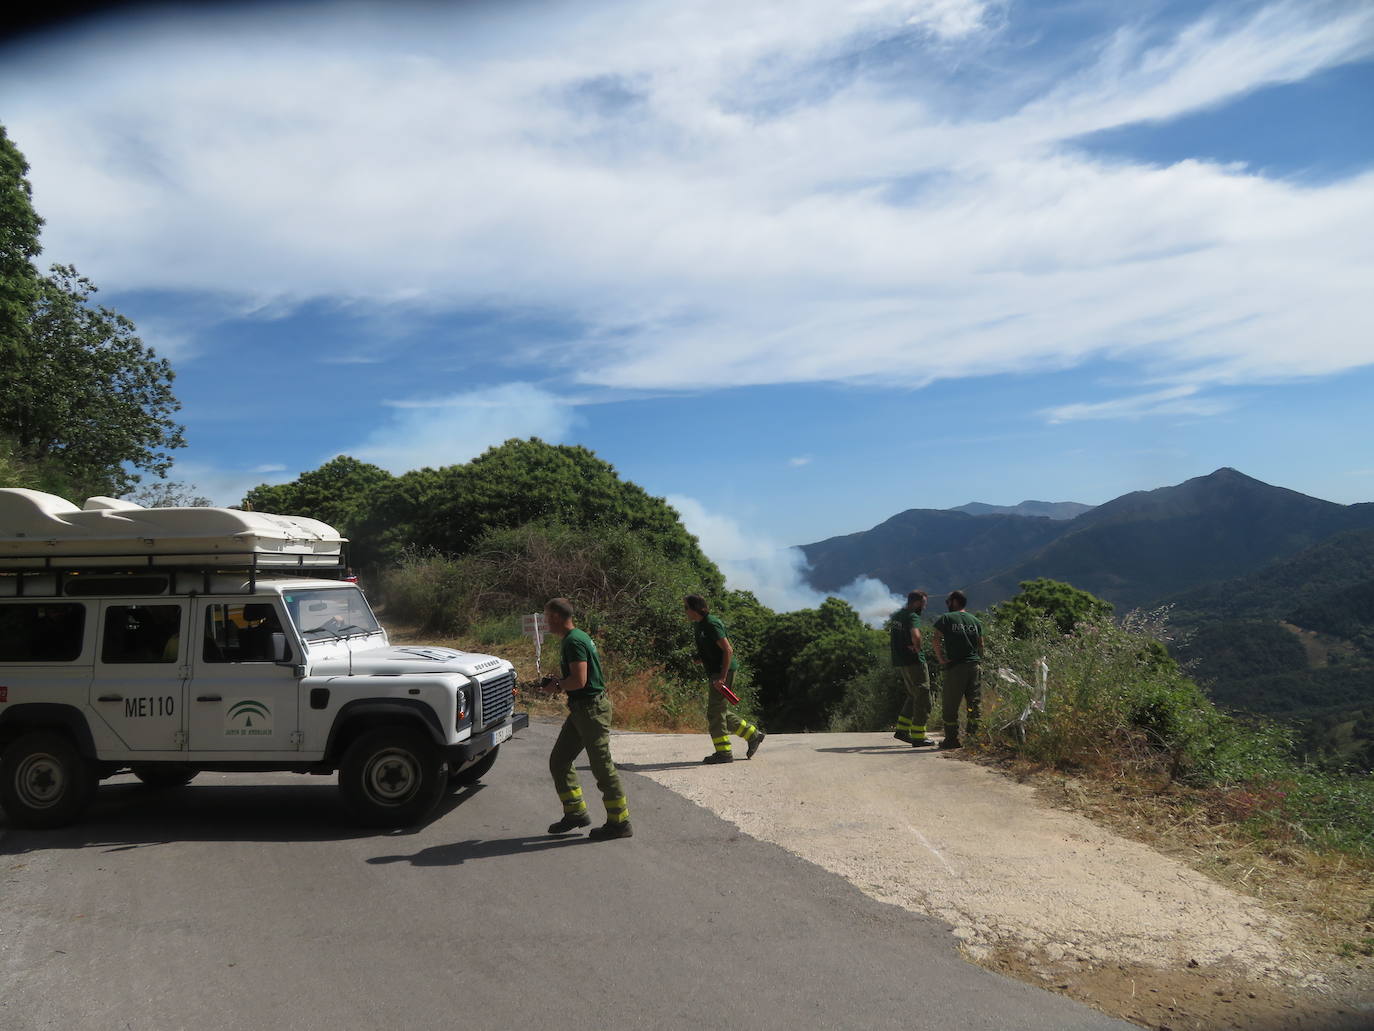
[959,648]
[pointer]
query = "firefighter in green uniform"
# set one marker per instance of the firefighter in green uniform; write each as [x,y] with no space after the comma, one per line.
[588,726]
[717,655]
[908,656]
[959,647]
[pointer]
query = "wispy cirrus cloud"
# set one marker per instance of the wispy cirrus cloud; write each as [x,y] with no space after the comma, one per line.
[720,193]
[1179,400]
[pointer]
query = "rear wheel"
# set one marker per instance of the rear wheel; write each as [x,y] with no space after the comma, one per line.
[171,775]
[392,777]
[470,775]
[44,781]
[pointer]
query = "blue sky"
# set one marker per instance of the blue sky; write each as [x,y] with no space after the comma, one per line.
[796,265]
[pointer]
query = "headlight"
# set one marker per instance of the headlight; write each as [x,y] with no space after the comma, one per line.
[464,712]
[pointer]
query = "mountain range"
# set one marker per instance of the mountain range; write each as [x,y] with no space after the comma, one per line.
[1136,550]
[1271,592]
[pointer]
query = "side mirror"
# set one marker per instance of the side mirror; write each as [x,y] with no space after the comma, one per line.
[281,654]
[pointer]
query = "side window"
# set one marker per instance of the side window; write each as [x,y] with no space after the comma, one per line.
[240,633]
[46,632]
[141,633]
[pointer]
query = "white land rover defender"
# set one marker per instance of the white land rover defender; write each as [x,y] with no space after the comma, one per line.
[167,641]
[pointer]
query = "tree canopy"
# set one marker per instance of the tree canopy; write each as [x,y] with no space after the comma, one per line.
[19,226]
[1061,602]
[89,406]
[452,508]
[85,406]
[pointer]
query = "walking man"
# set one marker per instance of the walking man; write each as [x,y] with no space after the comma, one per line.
[908,656]
[959,649]
[588,726]
[717,656]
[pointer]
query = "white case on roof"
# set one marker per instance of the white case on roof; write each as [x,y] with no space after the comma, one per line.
[35,525]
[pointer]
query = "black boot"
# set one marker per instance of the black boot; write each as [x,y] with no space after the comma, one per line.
[608,831]
[718,757]
[570,822]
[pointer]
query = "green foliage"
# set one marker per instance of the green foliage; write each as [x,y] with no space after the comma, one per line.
[1065,604]
[806,659]
[19,226]
[356,498]
[872,701]
[89,405]
[1238,650]
[451,509]
[625,592]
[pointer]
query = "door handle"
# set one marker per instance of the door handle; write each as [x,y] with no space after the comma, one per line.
[208,698]
[110,698]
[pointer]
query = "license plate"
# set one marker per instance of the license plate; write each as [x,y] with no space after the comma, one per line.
[501,734]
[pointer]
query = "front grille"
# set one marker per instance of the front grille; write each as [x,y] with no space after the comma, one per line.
[497,699]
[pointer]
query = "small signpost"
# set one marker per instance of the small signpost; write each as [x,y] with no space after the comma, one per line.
[534,625]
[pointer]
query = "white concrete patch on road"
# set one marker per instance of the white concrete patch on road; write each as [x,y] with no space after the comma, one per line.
[1034,877]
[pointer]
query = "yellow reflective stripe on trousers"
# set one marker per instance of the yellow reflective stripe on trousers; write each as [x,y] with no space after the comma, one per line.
[617,810]
[722,743]
[570,796]
[746,730]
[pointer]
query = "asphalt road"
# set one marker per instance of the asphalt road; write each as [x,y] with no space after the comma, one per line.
[248,901]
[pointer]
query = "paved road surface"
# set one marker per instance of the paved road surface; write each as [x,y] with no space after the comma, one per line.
[248,902]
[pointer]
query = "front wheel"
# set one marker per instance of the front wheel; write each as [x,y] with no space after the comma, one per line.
[470,775]
[392,777]
[44,781]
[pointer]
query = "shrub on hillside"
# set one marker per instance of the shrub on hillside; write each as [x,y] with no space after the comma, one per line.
[628,594]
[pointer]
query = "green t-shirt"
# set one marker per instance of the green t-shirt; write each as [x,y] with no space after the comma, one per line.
[899,630]
[709,633]
[578,647]
[960,632]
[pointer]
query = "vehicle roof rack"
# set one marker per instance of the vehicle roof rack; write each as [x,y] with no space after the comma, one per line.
[65,569]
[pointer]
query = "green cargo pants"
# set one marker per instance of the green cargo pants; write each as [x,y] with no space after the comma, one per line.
[721,721]
[963,683]
[916,709]
[588,727]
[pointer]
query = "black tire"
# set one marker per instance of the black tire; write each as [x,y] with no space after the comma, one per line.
[44,781]
[171,775]
[470,775]
[392,777]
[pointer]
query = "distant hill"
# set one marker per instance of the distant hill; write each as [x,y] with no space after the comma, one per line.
[1133,551]
[1048,509]
[1149,545]
[932,549]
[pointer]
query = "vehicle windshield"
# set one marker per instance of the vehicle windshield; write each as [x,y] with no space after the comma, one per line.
[330,612]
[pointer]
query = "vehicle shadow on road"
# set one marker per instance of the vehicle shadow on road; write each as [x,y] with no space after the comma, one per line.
[131,816]
[460,852]
[892,749]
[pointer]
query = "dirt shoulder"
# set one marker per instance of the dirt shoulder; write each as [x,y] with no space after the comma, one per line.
[1038,892]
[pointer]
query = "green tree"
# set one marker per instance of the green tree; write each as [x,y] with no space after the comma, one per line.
[1061,602]
[524,481]
[19,226]
[807,658]
[89,406]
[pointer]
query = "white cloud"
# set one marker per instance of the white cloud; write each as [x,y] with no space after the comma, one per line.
[799,461]
[775,573]
[1180,400]
[449,430]
[702,187]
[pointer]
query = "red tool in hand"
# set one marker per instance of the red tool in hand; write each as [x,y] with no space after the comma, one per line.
[724,688]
